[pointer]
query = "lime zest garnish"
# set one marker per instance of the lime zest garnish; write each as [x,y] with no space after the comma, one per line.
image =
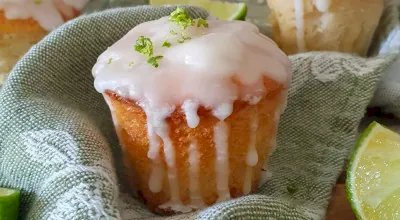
[181,18]
[202,23]
[144,46]
[109,60]
[37,2]
[166,44]
[130,64]
[223,10]
[183,39]
[154,60]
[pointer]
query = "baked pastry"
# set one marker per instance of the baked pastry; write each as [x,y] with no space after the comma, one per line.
[24,22]
[325,25]
[196,105]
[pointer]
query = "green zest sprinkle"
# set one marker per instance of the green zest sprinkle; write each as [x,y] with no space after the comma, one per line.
[166,44]
[202,23]
[37,2]
[183,39]
[154,61]
[131,64]
[181,17]
[144,46]
[110,60]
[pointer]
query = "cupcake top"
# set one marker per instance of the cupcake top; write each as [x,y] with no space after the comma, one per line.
[180,61]
[48,13]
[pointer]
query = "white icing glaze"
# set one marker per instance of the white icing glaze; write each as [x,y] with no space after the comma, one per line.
[299,20]
[190,108]
[252,155]
[48,13]
[196,200]
[221,133]
[220,64]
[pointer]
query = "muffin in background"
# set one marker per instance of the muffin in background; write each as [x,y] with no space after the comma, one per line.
[325,25]
[195,104]
[25,22]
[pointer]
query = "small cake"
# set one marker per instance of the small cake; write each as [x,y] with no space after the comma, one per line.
[325,25]
[196,105]
[24,22]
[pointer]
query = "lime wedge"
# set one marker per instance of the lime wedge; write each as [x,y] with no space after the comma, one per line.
[373,176]
[9,204]
[221,10]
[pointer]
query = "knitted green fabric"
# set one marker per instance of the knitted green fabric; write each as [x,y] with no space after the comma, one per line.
[57,141]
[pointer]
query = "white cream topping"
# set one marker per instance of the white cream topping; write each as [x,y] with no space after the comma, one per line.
[220,64]
[48,13]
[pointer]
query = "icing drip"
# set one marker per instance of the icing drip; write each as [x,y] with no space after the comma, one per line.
[48,13]
[247,180]
[156,176]
[222,159]
[223,111]
[322,5]
[169,152]
[299,16]
[194,170]
[190,108]
[252,156]
[157,127]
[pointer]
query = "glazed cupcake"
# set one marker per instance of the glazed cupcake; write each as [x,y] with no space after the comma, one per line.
[195,104]
[325,25]
[24,22]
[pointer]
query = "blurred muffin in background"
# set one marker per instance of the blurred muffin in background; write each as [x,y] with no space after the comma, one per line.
[325,25]
[24,22]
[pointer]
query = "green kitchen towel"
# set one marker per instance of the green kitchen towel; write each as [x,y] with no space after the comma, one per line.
[57,141]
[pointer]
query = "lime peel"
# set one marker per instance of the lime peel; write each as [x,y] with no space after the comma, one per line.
[373,174]
[221,10]
[9,203]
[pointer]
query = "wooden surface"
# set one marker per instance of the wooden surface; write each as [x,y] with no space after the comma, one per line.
[339,208]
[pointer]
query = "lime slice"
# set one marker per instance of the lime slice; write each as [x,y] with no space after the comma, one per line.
[373,176]
[9,204]
[221,10]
